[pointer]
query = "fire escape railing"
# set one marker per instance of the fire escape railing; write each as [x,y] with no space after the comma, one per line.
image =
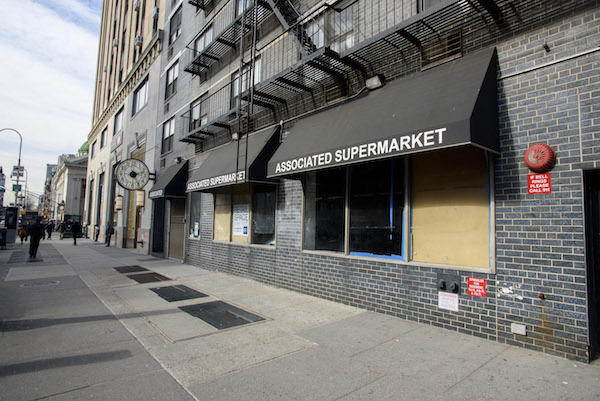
[313,58]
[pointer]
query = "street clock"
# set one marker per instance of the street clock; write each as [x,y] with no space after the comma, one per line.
[132,174]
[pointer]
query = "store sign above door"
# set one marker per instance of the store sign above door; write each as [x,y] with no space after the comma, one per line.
[389,147]
[216,181]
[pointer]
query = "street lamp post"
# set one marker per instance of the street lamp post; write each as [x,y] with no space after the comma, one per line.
[19,162]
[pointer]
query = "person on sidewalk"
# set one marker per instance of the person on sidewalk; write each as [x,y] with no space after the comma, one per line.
[109,232]
[61,229]
[76,230]
[96,232]
[49,229]
[22,233]
[36,232]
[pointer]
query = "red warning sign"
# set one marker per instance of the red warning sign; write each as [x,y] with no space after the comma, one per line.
[539,183]
[476,287]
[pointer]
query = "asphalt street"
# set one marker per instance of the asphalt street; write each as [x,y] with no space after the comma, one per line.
[91,322]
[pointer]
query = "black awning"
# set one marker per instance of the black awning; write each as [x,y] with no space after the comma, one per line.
[171,182]
[219,168]
[450,105]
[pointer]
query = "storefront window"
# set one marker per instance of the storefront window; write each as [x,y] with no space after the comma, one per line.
[324,210]
[263,214]
[376,208]
[366,213]
[245,214]
[451,207]
[195,201]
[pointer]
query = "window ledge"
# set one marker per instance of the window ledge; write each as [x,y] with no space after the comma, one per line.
[260,246]
[470,269]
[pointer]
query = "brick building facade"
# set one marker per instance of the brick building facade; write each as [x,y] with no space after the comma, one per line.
[547,82]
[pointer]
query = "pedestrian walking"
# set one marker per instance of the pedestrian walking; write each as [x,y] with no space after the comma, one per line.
[22,233]
[49,229]
[109,232]
[61,229]
[36,231]
[76,230]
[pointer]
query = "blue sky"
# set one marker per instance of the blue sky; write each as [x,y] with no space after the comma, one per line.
[48,51]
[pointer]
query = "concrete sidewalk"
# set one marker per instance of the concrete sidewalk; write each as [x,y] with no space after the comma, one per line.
[304,348]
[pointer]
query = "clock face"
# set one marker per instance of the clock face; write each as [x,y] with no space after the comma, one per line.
[132,174]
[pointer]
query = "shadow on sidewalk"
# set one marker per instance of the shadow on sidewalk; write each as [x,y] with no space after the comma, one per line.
[54,363]
[32,324]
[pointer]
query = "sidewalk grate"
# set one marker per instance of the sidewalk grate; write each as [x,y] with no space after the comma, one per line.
[151,277]
[130,269]
[177,293]
[221,315]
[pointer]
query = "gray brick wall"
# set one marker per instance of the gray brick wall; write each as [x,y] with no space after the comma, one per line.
[539,238]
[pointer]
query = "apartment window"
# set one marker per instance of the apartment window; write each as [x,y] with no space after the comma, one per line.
[315,33]
[245,214]
[340,30]
[203,40]
[242,5]
[167,135]
[103,137]
[118,122]
[93,150]
[175,26]
[140,97]
[198,114]
[172,74]
[235,80]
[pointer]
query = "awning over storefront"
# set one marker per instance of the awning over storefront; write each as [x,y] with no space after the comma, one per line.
[220,167]
[170,182]
[450,105]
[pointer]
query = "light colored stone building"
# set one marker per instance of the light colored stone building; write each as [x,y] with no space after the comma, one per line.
[125,103]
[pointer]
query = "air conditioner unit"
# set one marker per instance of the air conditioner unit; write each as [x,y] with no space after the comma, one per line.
[139,40]
[155,12]
[115,42]
[136,5]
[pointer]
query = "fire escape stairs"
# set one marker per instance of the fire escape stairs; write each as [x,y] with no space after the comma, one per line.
[288,16]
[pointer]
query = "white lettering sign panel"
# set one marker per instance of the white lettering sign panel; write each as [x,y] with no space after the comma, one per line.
[241,219]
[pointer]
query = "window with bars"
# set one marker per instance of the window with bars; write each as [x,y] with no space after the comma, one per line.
[203,40]
[198,113]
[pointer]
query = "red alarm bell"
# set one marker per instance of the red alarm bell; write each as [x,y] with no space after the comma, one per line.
[540,158]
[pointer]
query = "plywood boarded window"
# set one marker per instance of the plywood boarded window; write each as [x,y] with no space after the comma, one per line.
[222,227]
[451,207]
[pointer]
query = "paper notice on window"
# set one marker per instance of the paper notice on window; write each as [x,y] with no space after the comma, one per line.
[241,219]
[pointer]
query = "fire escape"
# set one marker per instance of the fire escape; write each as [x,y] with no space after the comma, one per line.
[426,34]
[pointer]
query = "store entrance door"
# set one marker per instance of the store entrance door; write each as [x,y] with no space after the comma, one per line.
[176,228]
[592,228]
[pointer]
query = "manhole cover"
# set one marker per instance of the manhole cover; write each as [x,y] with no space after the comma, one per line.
[221,315]
[177,293]
[40,284]
[147,277]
